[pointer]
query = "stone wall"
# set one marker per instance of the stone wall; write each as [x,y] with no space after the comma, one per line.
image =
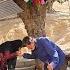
[11,29]
[58,30]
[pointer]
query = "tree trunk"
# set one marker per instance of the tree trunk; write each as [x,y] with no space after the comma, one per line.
[33,18]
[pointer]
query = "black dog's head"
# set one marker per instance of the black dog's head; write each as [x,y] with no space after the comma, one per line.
[17,43]
[11,46]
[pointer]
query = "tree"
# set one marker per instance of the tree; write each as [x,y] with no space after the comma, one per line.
[32,18]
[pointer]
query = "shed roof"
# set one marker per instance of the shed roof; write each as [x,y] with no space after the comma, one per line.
[8,8]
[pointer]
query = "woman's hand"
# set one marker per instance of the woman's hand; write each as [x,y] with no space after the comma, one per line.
[19,53]
[49,67]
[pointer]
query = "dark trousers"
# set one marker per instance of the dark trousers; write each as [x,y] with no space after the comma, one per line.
[11,63]
[44,66]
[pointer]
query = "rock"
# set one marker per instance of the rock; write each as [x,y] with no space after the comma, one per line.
[25,64]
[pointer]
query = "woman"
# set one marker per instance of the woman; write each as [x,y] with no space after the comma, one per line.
[45,50]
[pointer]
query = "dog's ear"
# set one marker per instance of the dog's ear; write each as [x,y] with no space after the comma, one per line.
[17,43]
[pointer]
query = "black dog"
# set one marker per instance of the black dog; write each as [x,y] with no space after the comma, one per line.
[9,48]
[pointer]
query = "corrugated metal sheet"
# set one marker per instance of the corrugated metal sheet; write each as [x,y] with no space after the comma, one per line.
[7,8]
